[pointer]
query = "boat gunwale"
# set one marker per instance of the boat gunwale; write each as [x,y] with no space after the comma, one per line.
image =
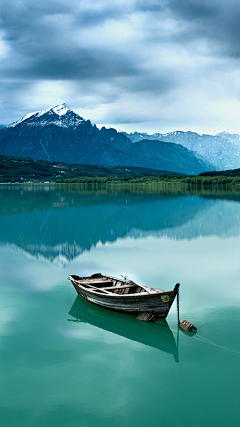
[112,295]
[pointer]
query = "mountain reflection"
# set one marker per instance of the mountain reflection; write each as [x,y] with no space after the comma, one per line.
[59,223]
[155,335]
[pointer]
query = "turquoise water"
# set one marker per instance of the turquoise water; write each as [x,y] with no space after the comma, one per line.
[64,362]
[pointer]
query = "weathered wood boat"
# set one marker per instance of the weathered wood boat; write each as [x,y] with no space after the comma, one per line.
[124,295]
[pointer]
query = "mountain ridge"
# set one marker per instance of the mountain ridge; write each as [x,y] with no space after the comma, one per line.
[59,134]
[232,137]
[221,152]
[31,119]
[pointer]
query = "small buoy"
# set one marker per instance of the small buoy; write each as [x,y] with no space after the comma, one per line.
[187,326]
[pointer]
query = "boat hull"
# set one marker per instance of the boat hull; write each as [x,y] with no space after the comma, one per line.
[130,304]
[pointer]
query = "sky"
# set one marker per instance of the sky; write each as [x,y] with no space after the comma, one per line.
[136,65]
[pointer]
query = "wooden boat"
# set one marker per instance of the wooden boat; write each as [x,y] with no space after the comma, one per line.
[124,295]
[159,336]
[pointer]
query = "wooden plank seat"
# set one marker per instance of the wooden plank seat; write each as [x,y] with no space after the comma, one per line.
[96,282]
[119,287]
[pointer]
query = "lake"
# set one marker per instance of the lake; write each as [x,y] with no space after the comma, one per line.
[65,362]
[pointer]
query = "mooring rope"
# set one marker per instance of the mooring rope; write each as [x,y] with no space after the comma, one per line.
[178,318]
[178,307]
[199,338]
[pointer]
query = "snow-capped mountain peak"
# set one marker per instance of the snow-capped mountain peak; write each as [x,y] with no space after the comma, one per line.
[14,124]
[59,115]
[61,109]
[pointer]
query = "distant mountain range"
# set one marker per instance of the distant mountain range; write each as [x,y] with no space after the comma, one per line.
[232,137]
[59,134]
[222,150]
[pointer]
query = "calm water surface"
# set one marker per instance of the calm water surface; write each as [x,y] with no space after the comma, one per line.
[64,362]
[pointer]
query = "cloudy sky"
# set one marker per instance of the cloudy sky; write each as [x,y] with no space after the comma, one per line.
[146,65]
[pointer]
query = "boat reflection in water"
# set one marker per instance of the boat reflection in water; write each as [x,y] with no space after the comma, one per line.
[155,335]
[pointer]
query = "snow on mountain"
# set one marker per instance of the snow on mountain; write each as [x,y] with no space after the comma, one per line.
[59,134]
[59,115]
[221,151]
[61,109]
[232,137]
[108,127]
[103,126]
[14,124]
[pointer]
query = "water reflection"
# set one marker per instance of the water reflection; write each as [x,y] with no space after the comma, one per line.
[59,223]
[156,335]
[104,368]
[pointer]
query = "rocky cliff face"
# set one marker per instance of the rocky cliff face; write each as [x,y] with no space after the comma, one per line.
[222,150]
[59,134]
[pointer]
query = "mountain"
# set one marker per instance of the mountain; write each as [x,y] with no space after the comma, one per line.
[221,151]
[2,126]
[232,137]
[59,134]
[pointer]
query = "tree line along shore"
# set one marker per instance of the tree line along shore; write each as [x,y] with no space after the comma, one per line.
[194,180]
[20,170]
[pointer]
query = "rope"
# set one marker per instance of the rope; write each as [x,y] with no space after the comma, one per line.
[206,341]
[199,338]
[178,307]
[178,316]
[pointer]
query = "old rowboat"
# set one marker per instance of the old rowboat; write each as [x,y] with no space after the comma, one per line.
[124,295]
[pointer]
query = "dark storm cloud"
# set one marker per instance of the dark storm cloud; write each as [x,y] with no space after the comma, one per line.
[95,17]
[78,65]
[44,47]
[194,9]
[23,17]
[113,49]
[186,8]
[150,6]
[215,21]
